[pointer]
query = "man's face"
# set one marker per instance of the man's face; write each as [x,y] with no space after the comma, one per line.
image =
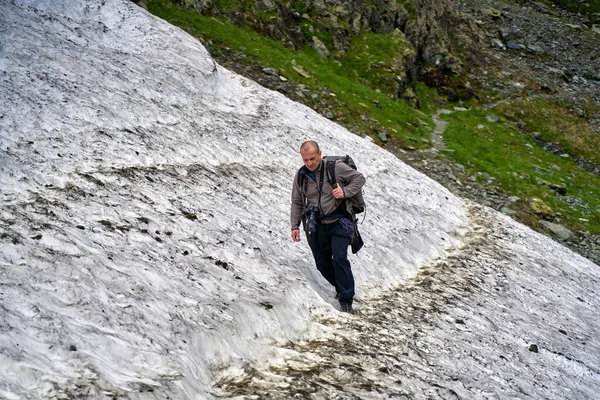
[311,158]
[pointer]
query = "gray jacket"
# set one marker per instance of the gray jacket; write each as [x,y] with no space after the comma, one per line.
[349,179]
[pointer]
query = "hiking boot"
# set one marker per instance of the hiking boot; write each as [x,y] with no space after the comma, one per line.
[347,308]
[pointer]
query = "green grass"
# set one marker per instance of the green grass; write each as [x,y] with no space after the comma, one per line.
[557,124]
[230,5]
[377,59]
[586,7]
[300,6]
[360,105]
[522,168]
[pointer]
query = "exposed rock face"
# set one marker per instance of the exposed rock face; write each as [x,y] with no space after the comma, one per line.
[201,6]
[428,26]
[440,32]
[432,31]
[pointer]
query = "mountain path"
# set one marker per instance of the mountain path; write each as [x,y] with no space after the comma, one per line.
[439,336]
[379,351]
[437,136]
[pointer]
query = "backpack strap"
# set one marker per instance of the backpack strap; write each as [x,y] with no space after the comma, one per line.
[330,167]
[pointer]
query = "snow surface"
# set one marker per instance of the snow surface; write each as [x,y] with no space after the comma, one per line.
[497,319]
[145,247]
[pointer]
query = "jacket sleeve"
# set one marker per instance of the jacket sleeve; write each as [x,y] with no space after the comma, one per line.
[297,204]
[350,179]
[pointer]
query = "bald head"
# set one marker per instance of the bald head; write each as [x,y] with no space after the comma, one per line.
[310,145]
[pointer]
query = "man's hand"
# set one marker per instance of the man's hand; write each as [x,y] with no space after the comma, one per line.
[338,192]
[296,235]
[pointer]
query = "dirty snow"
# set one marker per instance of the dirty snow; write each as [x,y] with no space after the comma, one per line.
[144,238]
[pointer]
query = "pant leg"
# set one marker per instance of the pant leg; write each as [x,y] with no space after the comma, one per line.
[323,259]
[339,242]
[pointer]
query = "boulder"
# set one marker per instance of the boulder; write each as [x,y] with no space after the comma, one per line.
[320,47]
[493,13]
[540,208]
[560,231]
[300,70]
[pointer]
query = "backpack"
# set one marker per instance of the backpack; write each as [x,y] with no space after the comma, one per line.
[355,204]
[357,201]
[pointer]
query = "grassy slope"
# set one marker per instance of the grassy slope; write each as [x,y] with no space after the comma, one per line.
[358,103]
[500,152]
[577,6]
[497,153]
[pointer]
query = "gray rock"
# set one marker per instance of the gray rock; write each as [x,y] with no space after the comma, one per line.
[271,71]
[507,211]
[535,48]
[559,230]
[492,118]
[383,136]
[574,26]
[539,6]
[497,44]
[510,33]
[320,47]
[556,70]
[515,46]
[300,70]
[533,348]
[493,13]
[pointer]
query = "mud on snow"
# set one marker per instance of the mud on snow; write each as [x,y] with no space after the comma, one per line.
[466,327]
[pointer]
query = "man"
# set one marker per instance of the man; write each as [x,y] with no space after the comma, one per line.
[329,243]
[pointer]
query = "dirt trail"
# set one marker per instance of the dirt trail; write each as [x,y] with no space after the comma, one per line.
[462,328]
[437,136]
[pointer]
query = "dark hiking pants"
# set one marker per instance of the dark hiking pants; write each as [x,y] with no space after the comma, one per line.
[329,246]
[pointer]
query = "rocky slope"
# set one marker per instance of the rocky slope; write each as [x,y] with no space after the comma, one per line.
[538,50]
[428,28]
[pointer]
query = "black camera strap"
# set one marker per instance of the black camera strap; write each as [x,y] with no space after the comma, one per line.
[303,174]
[320,186]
